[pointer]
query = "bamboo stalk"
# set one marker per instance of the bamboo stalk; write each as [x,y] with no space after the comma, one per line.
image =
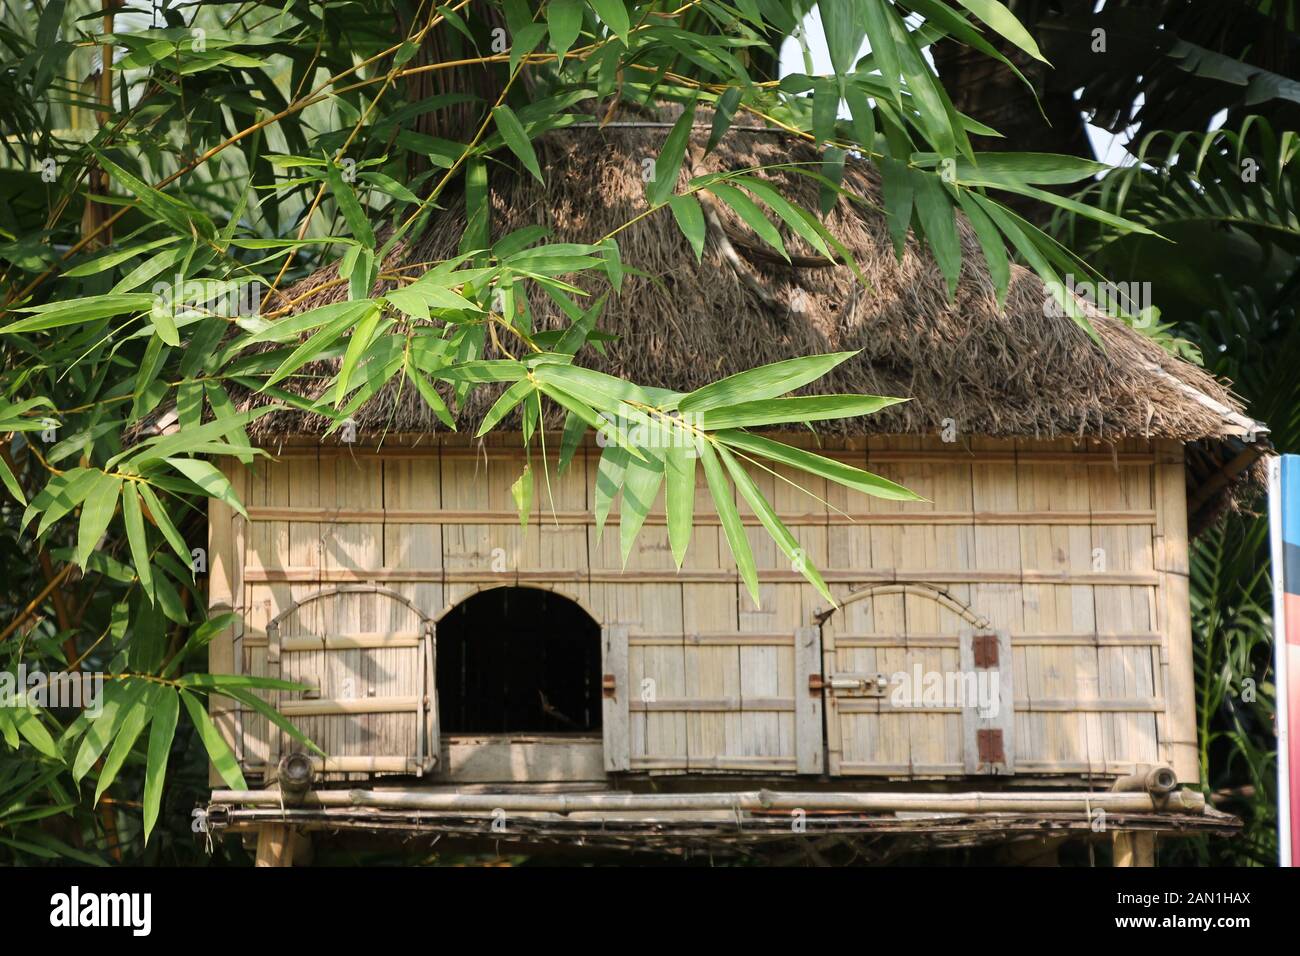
[972,802]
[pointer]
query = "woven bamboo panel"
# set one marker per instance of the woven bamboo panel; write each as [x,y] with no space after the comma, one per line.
[1078,553]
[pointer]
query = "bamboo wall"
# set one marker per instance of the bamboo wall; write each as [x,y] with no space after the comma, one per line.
[1075,560]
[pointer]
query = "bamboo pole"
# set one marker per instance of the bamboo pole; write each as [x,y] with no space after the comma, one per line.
[275,845]
[973,802]
[1139,849]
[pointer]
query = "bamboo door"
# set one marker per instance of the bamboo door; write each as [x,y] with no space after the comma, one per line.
[915,685]
[366,656]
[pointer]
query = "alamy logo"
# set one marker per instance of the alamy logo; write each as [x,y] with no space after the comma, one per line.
[1113,299]
[74,909]
[185,299]
[978,689]
[55,689]
[676,431]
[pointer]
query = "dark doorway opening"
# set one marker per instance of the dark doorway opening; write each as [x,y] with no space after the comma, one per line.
[518,660]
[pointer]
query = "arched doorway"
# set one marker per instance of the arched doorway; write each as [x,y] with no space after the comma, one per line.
[917,683]
[515,660]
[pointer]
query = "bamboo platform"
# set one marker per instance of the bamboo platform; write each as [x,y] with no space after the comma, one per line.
[746,823]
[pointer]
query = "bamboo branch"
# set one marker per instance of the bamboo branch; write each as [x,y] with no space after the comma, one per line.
[37,601]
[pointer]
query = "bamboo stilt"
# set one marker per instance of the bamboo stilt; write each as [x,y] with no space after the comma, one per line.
[275,845]
[1135,849]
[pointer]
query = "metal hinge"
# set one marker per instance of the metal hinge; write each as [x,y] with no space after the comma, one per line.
[985,647]
[609,685]
[989,745]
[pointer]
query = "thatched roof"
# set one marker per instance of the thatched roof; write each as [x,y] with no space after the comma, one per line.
[1022,371]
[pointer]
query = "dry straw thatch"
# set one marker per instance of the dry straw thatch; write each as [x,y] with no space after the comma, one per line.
[1023,371]
[1013,372]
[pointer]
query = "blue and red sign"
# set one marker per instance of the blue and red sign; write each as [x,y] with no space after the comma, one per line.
[1284,512]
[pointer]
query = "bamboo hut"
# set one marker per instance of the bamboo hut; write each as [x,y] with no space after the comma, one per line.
[473,678]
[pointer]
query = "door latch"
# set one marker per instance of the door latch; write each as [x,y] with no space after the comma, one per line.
[866,685]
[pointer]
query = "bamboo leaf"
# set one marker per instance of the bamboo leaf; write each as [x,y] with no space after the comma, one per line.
[614,15]
[995,252]
[564,19]
[522,493]
[1004,22]
[314,346]
[209,478]
[723,112]
[91,308]
[116,257]
[601,391]
[779,532]
[1047,169]
[842,24]
[484,370]
[690,220]
[256,703]
[574,429]
[142,273]
[897,187]
[832,178]
[11,483]
[748,211]
[504,405]
[779,411]
[766,381]
[96,513]
[358,342]
[431,397]
[59,496]
[679,498]
[221,683]
[609,481]
[804,224]
[928,97]
[1071,205]
[825,107]
[725,504]
[193,441]
[180,215]
[164,524]
[934,209]
[33,731]
[218,750]
[285,330]
[7,729]
[640,488]
[133,518]
[104,727]
[814,464]
[478,208]
[877,15]
[606,430]
[356,218]
[1040,263]
[864,118]
[162,730]
[132,724]
[512,131]
[669,163]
